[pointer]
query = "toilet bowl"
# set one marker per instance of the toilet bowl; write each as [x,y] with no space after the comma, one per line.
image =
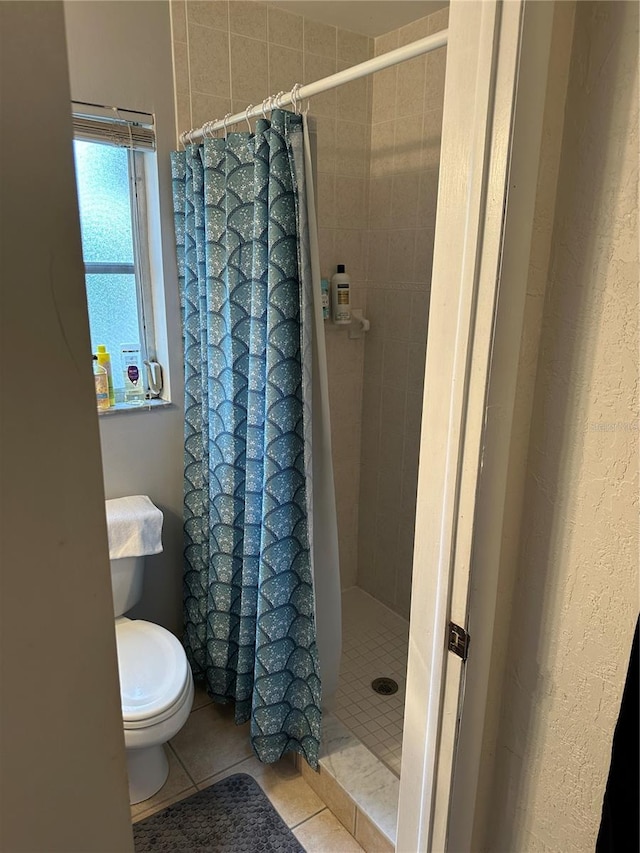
[156,691]
[156,684]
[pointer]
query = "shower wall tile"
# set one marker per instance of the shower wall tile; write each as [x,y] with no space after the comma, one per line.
[411,86]
[209,60]
[248,19]
[383,105]
[401,254]
[382,148]
[315,68]
[349,246]
[413,31]
[404,200]
[380,200]
[320,38]
[423,260]
[181,68]
[326,200]
[203,107]
[353,47]
[438,21]
[209,13]
[249,69]
[388,41]
[351,150]
[352,99]
[409,137]
[406,122]
[286,68]
[285,28]
[427,197]
[434,80]
[350,202]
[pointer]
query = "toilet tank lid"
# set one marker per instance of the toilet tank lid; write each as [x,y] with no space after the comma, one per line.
[134,527]
[152,666]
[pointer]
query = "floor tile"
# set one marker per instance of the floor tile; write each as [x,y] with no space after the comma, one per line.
[210,742]
[325,834]
[200,698]
[288,792]
[177,786]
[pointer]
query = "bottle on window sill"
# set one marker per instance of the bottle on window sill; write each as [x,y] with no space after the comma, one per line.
[102,385]
[104,360]
[134,385]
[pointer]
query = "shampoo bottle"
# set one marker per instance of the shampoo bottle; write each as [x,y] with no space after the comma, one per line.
[102,385]
[104,360]
[134,392]
[341,296]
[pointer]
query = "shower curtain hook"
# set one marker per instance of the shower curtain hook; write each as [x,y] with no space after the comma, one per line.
[246,116]
[295,98]
[266,104]
[224,122]
[277,98]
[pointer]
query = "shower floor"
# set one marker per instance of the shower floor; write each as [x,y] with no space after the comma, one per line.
[374,645]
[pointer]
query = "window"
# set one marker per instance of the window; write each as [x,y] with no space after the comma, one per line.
[111,155]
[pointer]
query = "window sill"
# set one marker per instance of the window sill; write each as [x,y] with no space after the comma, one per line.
[129,408]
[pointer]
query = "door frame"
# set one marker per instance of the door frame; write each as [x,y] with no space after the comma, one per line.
[497,61]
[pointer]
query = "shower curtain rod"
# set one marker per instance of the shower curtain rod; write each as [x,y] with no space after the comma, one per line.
[301,93]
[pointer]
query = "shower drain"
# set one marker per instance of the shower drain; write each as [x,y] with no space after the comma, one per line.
[385,686]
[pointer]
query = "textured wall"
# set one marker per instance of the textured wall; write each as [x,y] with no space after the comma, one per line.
[230,54]
[576,596]
[405,154]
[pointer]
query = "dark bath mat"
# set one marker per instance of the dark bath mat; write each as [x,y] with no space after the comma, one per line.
[232,816]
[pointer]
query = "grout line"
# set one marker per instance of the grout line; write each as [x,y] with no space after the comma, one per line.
[181,763]
[325,808]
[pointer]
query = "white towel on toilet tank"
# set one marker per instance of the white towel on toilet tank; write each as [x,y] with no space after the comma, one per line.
[134,526]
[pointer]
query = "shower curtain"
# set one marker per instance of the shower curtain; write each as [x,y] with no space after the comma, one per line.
[247,276]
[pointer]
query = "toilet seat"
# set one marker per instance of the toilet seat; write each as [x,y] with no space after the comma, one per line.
[154,673]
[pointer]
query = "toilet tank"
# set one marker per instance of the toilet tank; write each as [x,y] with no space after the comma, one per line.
[134,528]
[126,583]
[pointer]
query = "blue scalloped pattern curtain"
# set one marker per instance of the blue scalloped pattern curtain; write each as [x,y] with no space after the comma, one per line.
[248,592]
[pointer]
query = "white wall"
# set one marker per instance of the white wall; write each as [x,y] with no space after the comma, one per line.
[62,774]
[576,592]
[120,55]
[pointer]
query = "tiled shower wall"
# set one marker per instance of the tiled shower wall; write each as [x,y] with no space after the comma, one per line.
[378,151]
[230,54]
[405,153]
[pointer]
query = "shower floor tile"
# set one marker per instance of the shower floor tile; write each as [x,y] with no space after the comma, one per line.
[374,645]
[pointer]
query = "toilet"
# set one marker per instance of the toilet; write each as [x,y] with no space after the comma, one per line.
[156,684]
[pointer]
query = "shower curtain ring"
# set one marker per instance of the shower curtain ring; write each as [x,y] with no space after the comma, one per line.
[277,98]
[266,105]
[224,123]
[295,100]
[246,116]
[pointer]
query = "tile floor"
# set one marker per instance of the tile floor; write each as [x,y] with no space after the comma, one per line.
[211,746]
[374,644]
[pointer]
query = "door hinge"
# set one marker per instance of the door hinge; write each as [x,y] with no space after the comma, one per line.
[458,641]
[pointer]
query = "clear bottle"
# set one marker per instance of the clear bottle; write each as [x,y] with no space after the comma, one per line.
[102,385]
[104,360]
[134,386]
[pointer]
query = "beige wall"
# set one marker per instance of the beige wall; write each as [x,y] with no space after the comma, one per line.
[62,772]
[576,588]
[405,155]
[230,54]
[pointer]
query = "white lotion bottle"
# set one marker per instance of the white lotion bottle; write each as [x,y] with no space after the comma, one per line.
[341,297]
